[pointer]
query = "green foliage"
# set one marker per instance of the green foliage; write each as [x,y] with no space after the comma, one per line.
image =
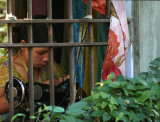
[18,115]
[3,37]
[126,99]
[3,27]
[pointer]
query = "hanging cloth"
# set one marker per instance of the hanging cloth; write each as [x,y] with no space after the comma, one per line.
[79,11]
[116,53]
[99,5]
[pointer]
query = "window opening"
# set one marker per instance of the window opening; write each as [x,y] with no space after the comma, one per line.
[70,21]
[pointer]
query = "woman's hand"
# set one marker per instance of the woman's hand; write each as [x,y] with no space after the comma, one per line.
[58,81]
[4,106]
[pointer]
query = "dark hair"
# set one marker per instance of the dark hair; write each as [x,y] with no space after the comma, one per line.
[40,33]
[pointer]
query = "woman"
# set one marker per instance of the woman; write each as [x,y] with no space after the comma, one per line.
[21,63]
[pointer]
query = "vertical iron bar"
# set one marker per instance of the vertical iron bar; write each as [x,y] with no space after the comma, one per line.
[29,9]
[9,34]
[8,6]
[108,2]
[50,39]
[90,37]
[71,56]
[30,71]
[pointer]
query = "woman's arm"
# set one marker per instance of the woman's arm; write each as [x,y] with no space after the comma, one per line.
[4,106]
[56,82]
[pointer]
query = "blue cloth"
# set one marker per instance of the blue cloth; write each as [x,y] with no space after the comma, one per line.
[79,11]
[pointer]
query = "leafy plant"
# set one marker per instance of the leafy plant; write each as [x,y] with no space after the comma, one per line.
[3,27]
[46,113]
[126,99]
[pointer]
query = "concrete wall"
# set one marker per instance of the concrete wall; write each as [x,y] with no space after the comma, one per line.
[147,33]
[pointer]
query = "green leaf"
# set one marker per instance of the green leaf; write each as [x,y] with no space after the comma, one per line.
[106,116]
[131,87]
[157,106]
[98,104]
[155,90]
[112,107]
[119,117]
[133,117]
[152,79]
[141,78]
[107,81]
[56,109]
[156,62]
[95,108]
[114,85]
[126,91]
[145,95]
[17,115]
[140,87]
[47,116]
[75,112]
[70,119]
[40,110]
[155,112]
[78,120]
[78,105]
[95,95]
[103,94]
[113,101]
[153,68]
[137,102]
[76,108]
[158,73]
[132,102]
[110,76]
[63,121]
[141,116]
[45,107]
[33,117]
[104,104]
[97,113]
[120,101]
[120,78]
[105,88]
[93,102]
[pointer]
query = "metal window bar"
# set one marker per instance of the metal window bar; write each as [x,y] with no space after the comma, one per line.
[71,55]
[17,45]
[9,33]
[90,37]
[70,21]
[108,8]
[55,21]
[30,71]
[50,38]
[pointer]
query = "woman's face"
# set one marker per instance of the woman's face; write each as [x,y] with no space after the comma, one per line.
[40,56]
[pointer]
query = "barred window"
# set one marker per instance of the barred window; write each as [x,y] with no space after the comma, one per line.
[71,32]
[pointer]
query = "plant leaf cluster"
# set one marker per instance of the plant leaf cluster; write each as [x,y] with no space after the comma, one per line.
[126,99]
[134,99]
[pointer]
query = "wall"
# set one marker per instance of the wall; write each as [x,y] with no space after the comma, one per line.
[147,35]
